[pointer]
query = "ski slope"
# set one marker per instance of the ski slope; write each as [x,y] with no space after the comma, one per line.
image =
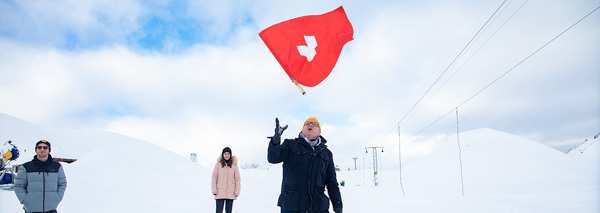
[500,173]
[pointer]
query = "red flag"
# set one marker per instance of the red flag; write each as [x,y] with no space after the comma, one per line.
[308,47]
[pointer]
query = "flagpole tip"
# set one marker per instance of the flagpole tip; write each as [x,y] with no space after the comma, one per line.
[299,87]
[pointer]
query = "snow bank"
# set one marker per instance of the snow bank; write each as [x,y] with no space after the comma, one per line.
[500,173]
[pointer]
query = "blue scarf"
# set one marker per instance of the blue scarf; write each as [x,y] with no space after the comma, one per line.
[312,144]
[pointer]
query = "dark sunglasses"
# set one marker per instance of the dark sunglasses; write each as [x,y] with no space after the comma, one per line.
[42,147]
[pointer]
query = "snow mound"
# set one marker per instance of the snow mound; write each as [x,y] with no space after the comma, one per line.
[485,156]
[502,173]
[111,167]
[134,169]
[590,149]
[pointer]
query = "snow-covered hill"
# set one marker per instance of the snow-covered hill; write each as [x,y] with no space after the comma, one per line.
[497,162]
[500,173]
[590,149]
[112,172]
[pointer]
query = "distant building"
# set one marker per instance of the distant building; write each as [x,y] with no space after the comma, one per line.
[194,157]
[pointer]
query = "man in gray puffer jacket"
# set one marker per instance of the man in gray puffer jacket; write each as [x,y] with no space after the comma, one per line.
[40,184]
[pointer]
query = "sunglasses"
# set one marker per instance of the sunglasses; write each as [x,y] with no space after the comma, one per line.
[315,124]
[42,147]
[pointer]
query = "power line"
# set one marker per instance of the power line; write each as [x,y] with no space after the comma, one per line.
[486,41]
[511,69]
[451,63]
[526,58]
[505,73]
[446,70]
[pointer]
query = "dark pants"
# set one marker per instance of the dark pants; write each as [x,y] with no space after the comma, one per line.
[284,211]
[228,205]
[53,211]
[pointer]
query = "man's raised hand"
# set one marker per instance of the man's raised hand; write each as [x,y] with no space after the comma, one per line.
[276,139]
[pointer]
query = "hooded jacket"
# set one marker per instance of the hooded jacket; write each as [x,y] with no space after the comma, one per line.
[226,181]
[306,173]
[40,186]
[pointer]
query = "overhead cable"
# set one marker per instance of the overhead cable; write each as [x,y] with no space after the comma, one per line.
[511,69]
[446,70]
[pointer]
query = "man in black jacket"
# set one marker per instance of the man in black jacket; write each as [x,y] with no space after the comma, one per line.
[307,169]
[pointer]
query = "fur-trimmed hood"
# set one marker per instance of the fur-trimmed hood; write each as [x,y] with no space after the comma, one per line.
[234,158]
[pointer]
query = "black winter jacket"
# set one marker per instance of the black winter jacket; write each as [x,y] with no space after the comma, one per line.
[306,173]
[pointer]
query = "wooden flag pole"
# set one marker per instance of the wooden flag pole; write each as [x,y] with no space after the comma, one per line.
[299,87]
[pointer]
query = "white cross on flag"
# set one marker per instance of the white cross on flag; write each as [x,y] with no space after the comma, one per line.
[308,47]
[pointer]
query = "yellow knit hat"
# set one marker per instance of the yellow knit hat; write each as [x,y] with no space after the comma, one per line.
[318,123]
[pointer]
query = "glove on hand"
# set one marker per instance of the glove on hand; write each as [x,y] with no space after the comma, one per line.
[276,139]
[278,129]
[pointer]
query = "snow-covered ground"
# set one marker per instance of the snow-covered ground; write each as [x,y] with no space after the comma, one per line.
[500,173]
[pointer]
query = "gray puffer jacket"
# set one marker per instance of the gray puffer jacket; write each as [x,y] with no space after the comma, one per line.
[40,186]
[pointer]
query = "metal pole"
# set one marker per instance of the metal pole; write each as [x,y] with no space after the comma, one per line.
[363,169]
[462,185]
[375,167]
[400,160]
[355,163]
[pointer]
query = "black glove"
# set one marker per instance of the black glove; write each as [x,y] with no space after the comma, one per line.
[276,139]
[338,210]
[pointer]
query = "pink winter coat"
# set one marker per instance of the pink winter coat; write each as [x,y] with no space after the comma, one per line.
[226,181]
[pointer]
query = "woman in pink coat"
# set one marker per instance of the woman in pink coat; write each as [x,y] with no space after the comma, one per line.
[226,181]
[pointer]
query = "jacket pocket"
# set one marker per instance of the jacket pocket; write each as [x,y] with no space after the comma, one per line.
[292,198]
[321,201]
[290,190]
[30,205]
[52,200]
[25,199]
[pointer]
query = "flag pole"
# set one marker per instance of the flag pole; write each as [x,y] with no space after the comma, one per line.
[299,87]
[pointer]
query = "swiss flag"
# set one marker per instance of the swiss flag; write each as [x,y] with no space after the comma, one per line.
[308,47]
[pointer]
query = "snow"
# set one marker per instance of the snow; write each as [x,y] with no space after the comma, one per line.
[589,149]
[500,173]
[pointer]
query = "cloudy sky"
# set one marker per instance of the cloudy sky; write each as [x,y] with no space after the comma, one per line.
[195,76]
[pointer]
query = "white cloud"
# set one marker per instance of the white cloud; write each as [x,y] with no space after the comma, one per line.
[55,22]
[199,99]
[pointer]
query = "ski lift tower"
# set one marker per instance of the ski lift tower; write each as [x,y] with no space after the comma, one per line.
[375,167]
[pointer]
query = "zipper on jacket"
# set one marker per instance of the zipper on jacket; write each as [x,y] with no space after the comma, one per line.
[43,193]
[226,179]
[316,150]
[312,159]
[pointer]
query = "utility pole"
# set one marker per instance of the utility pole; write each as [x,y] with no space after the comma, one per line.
[375,167]
[354,162]
[462,184]
[400,159]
